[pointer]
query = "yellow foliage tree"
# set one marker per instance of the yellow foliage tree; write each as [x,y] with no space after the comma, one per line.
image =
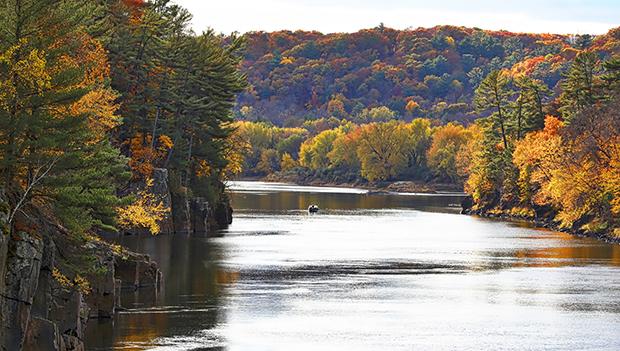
[288,162]
[313,152]
[335,107]
[269,161]
[147,211]
[580,177]
[418,138]
[537,157]
[287,60]
[465,155]
[99,103]
[442,154]
[234,152]
[344,150]
[29,70]
[381,150]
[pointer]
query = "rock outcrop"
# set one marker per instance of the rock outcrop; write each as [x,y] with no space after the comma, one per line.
[181,213]
[42,309]
[188,214]
[161,190]
[51,283]
[195,214]
[43,335]
[222,214]
[23,262]
[102,299]
[205,217]
[200,215]
[137,271]
[159,187]
[466,204]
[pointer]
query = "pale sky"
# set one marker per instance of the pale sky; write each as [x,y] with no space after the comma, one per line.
[328,16]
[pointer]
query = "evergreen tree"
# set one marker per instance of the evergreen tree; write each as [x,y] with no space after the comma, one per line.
[611,77]
[205,88]
[175,86]
[493,97]
[582,42]
[579,89]
[136,46]
[529,108]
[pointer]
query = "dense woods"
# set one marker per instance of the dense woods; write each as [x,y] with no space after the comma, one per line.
[95,95]
[114,117]
[526,123]
[425,72]
[121,88]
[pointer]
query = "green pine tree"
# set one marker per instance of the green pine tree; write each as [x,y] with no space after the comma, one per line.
[530,114]
[579,88]
[611,76]
[493,97]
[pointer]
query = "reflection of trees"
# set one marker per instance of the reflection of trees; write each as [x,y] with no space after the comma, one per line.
[560,256]
[191,295]
[287,201]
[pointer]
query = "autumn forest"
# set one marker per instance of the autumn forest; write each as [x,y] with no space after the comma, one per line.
[522,122]
[122,125]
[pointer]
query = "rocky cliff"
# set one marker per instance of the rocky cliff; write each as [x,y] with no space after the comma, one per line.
[52,283]
[189,213]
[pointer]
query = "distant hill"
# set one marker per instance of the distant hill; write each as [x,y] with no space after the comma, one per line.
[422,72]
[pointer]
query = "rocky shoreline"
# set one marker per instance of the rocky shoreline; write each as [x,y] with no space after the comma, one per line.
[52,283]
[41,308]
[540,219]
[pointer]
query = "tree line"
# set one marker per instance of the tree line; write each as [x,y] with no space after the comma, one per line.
[376,151]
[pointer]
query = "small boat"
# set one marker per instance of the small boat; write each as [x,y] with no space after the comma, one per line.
[313,209]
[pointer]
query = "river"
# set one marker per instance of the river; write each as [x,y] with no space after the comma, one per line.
[369,272]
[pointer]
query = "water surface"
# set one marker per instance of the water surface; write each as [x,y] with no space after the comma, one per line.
[369,272]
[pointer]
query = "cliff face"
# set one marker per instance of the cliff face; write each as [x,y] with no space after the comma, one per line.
[189,214]
[40,307]
[45,301]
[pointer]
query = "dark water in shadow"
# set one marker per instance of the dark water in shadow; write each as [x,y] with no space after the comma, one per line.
[369,272]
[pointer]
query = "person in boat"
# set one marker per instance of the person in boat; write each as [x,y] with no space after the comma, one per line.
[313,208]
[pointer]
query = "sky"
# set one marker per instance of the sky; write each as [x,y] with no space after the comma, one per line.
[329,16]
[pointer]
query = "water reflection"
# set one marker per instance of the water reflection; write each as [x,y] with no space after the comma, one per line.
[193,288]
[271,199]
[370,272]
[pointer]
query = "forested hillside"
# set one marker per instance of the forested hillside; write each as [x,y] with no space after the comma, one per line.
[295,76]
[527,124]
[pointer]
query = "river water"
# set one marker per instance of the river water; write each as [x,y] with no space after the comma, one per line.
[369,272]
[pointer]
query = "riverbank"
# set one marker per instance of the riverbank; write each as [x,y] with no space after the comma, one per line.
[401,186]
[53,280]
[53,283]
[548,222]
